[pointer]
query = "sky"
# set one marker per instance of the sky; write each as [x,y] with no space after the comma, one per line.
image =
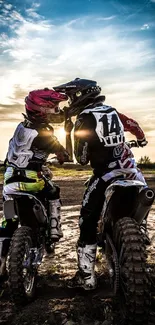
[47,42]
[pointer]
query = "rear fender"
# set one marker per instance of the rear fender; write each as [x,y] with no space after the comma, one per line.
[124,183]
[120,199]
[9,209]
[30,210]
[27,207]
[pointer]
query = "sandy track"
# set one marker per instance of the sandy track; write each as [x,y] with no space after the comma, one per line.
[55,304]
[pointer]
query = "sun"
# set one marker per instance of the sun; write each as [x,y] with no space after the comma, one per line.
[61,134]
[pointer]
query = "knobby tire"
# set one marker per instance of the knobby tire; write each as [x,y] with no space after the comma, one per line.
[134,281]
[22,237]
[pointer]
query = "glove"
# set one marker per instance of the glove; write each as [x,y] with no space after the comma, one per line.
[68,125]
[47,172]
[142,143]
[62,156]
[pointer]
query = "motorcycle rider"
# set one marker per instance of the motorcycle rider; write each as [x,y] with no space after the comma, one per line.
[32,142]
[99,139]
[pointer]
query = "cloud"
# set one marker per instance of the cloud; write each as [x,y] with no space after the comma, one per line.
[145,26]
[8,6]
[130,9]
[31,12]
[11,112]
[58,44]
[38,52]
[105,18]
[16,105]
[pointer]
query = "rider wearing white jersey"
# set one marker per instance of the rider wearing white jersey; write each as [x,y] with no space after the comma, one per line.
[31,144]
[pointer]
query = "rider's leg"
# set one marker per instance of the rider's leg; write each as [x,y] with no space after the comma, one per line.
[86,246]
[53,196]
[55,219]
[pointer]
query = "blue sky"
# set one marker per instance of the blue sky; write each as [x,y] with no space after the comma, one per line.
[46,42]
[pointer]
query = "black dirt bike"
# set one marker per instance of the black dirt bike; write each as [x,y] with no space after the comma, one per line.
[28,243]
[127,204]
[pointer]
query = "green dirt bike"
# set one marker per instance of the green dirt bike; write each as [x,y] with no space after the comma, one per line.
[28,243]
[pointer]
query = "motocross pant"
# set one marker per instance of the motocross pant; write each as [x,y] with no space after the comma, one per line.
[93,201]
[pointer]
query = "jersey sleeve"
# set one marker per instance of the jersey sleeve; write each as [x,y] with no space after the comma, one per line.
[132,126]
[81,140]
[54,145]
[47,141]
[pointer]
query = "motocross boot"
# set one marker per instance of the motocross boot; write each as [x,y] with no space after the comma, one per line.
[55,223]
[85,276]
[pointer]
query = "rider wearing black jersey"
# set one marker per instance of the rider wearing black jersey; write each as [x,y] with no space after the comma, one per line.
[99,139]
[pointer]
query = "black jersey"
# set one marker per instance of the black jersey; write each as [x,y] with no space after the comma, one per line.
[99,136]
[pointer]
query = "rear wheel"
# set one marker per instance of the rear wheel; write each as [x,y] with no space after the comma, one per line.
[134,294]
[22,274]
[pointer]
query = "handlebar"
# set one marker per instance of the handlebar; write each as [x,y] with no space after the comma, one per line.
[52,160]
[132,144]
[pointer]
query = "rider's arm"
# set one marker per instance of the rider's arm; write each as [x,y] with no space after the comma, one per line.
[47,141]
[132,126]
[58,149]
[54,145]
[81,140]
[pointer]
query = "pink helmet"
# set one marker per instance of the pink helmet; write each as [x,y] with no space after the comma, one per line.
[42,104]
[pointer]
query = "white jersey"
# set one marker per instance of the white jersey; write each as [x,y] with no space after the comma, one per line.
[19,152]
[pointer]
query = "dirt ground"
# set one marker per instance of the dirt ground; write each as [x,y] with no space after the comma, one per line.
[55,304]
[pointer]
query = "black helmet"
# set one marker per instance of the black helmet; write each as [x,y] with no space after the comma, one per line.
[81,92]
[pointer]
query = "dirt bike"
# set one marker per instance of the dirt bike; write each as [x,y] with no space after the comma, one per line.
[28,243]
[127,204]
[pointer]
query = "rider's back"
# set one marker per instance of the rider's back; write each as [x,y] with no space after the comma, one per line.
[30,146]
[102,136]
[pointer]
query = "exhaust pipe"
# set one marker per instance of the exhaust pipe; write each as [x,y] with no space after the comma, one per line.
[145,200]
[38,211]
[150,195]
